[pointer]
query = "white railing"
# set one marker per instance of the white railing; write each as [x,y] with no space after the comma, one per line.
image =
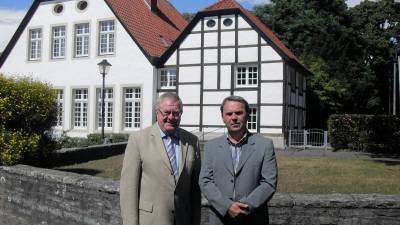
[312,138]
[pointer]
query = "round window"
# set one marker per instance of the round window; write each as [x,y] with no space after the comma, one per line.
[58,8]
[82,5]
[211,23]
[227,22]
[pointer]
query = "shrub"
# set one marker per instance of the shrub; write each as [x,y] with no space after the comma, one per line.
[27,111]
[26,104]
[364,132]
[16,145]
[92,139]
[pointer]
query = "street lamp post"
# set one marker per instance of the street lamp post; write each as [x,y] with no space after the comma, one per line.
[104,68]
[396,111]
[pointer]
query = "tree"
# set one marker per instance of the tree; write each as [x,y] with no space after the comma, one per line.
[331,41]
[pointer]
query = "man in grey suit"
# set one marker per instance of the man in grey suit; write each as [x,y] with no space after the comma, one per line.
[159,178]
[239,173]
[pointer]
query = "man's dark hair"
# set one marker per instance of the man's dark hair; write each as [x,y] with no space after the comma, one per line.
[234,98]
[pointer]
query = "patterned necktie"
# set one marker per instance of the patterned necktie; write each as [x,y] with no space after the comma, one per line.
[171,156]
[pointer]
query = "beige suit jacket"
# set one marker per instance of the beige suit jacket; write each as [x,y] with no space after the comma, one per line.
[149,193]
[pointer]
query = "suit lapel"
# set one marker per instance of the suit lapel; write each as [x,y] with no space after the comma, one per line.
[225,150]
[160,148]
[247,150]
[184,148]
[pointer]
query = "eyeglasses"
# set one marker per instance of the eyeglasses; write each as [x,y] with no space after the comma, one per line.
[174,114]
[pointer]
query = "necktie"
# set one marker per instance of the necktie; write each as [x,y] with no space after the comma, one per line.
[171,156]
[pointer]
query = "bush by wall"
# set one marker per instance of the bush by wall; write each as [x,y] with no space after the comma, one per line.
[92,139]
[364,132]
[27,111]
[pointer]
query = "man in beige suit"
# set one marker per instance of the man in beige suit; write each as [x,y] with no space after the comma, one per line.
[159,179]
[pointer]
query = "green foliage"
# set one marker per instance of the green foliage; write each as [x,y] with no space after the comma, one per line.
[346,49]
[92,139]
[15,145]
[364,132]
[26,104]
[27,110]
[188,16]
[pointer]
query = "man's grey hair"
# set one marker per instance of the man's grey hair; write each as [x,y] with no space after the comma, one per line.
[234,98]
[169,95]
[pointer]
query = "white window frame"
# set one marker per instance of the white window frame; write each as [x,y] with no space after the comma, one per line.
[247,76]
[80,108]
[132,108]
[58,42]
[167,78]
[35,44]
[252,120]
[60,108]
[108,107]
[106,37]
[81,40]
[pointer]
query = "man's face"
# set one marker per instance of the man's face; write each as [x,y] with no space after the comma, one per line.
[169,115]
[234,116]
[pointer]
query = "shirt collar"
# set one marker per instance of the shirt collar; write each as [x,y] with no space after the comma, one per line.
[242,140]
[164,135]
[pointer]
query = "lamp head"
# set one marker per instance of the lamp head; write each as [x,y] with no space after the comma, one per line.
[104,67]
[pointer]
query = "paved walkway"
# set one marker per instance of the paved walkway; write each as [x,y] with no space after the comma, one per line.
[338,154]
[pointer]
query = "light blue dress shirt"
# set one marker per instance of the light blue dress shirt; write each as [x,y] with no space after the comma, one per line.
[177,147]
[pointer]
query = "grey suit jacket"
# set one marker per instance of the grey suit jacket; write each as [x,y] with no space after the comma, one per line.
[149,193]
[254,182]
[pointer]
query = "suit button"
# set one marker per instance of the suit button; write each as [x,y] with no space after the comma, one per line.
[172,211]
[231,180]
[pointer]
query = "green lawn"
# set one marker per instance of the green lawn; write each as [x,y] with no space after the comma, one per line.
[298,174]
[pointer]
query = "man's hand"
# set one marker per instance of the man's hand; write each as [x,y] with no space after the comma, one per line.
[237,209]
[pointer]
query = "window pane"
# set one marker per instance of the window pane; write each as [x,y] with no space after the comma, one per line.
[132,107]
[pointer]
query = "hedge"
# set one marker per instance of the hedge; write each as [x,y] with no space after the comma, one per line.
[364,132]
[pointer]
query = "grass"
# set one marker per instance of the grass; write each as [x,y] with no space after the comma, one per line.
[297,174]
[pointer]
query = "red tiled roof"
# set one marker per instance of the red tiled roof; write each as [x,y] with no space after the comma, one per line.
[153,32]
[232,4]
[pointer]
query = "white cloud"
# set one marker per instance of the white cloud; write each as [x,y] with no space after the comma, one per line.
[9,21]
[352,3]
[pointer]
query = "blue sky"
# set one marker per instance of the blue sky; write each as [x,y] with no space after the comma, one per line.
[12,12]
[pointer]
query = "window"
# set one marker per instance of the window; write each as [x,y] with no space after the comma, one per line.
[82,5]
[247,76]
[80,107]
[211,23]
[132,107]
[167,78]
[60,109]
[107,40]
[58,9]
[58,42]
[82,40]
[108,107]
[252,121]
[228,22]
[35,44]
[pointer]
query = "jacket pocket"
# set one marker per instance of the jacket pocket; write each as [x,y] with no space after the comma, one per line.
[146,206]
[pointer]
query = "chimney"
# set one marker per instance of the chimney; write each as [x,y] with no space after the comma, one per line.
[153,6]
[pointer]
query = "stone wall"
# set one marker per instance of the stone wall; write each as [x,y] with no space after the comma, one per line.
[30,195]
